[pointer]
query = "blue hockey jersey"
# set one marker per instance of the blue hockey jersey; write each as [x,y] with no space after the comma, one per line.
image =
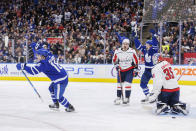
[55,72]
[148,53]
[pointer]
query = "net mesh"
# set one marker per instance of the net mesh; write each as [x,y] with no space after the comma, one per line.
[169,10]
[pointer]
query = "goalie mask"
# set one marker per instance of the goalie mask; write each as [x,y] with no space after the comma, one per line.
[156,58]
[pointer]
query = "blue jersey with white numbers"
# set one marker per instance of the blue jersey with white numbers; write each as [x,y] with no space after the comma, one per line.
[55,72]
[148,53]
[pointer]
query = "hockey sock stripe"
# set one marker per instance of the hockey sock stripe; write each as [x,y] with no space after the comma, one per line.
[65,102]
[58,90]
[146,91]
[54,99]
[128,88]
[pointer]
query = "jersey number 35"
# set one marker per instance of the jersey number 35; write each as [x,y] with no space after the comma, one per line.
[169,73]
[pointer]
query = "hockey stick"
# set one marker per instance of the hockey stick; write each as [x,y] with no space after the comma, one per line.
[32,86]
[121,85]
[191,62]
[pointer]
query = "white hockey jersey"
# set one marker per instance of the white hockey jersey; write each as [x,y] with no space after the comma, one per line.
[126,59]
[163,78]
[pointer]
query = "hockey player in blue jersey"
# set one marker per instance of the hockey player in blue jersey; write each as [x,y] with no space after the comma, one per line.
[148,50]
[57,75]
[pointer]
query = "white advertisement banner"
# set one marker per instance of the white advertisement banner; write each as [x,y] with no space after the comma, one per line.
[94,71]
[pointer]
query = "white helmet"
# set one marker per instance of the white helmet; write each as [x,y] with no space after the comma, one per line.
[126,41]
[156,58]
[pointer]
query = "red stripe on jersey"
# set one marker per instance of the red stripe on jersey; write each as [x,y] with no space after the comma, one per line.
[127,69]
[119,87]
[136,60]
[170,90]
[115,57]
[128,87]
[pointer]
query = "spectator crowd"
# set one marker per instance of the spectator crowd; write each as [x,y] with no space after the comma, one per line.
[85,29]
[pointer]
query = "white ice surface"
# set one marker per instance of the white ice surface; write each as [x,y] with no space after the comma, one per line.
[21,109]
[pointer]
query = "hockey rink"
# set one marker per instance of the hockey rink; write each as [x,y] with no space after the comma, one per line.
[22,110]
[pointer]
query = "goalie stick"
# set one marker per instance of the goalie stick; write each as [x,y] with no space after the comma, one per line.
[191,62]
[32,86]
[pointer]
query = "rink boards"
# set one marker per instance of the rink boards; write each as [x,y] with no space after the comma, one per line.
[93,73]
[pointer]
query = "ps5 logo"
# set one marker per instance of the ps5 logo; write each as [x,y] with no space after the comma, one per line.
[4,70]
[80,70]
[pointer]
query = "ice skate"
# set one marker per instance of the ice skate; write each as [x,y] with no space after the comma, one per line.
[144,101]
[70,108]
[126,101]
[117,101]
[54,106]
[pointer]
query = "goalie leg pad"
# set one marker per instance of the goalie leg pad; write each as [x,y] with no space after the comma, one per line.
[180,108]
[162,108]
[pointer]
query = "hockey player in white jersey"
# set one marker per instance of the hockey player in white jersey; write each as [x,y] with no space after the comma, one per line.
[125,60]
[165,88]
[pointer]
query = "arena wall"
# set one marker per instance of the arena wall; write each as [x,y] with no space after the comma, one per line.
[92,73]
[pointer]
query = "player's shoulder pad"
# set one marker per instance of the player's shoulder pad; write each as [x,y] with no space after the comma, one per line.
[131,50]
[118,50]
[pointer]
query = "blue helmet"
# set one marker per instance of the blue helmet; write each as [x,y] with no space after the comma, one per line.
[42,52]
[150,42]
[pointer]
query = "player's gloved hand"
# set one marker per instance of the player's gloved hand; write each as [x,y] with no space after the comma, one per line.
[136,71]
[152,31]
[20,66]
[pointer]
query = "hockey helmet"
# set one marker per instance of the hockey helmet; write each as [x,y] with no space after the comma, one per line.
[126,40]
[42,52]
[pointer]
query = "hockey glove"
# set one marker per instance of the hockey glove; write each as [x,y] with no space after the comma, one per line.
[20,66]
[136,71]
